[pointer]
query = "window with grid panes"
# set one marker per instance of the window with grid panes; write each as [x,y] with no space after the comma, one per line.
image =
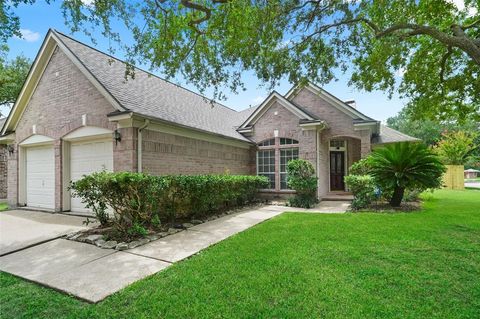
[266,165]
[286,155]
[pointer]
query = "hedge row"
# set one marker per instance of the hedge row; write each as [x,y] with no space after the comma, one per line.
[145,201]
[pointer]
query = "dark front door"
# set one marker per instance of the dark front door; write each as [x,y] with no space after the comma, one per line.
[337,171]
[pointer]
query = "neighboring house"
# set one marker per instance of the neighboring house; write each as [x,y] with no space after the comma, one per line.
[471,173]
[77,114]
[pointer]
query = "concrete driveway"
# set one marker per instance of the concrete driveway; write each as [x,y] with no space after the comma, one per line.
[20,229]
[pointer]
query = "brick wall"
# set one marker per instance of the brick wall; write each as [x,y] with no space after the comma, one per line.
[62,96]
[172,154]
[279,118]
[340,125]
[3,171]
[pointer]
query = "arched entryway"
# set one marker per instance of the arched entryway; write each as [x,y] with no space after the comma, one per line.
[343,151]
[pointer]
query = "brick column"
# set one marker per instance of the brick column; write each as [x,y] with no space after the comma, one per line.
[12,177]
[125,151]
[365,143]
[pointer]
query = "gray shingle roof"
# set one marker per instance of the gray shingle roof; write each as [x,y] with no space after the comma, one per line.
[389,135]
[2,122]
[152,96]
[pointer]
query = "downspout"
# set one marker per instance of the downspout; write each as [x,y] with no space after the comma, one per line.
[318,163]
[139,147]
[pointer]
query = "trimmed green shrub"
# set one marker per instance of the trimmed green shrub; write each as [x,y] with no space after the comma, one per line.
[140,201]
[363,190]
[203,195]
[301,178]
[88,189]
[360,167]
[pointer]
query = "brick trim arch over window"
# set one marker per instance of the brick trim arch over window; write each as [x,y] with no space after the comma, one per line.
[273,156]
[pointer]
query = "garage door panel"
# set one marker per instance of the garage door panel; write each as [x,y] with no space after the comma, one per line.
[40,177]
[87,158]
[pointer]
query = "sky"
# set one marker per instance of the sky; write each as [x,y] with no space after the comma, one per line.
[35,20]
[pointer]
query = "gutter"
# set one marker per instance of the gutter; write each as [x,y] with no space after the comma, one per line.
[139,147]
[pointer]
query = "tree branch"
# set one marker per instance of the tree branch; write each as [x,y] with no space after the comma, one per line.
[459,39]
[471,25]
[443,63]
[198,7]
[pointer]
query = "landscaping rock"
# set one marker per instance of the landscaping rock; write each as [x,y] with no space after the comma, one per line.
[187,225]
[196,221]
[92,238]
[134,244]
[153,237]
[74,236]
[108,244]
[100,242]
[143,241]
[162,234]
[173,231]
[121,246]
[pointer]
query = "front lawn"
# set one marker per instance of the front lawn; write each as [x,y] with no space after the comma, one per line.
[405,265]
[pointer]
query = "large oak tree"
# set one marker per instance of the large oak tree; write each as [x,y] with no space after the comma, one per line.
[427,50]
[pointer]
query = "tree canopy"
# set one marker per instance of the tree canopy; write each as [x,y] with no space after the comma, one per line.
[12,76]
[430,131]
[427,50]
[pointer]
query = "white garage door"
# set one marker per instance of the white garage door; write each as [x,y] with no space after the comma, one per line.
[86,158]
[40,177]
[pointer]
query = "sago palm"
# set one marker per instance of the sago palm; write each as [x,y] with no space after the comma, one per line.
[405,165]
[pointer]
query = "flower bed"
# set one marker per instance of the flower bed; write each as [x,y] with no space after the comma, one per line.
[101,236]
[136,207]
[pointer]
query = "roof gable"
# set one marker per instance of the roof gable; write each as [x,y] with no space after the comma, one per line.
[330,98]
[268,102]
[51,42]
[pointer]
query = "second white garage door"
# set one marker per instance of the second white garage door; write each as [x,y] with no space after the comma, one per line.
[86,158]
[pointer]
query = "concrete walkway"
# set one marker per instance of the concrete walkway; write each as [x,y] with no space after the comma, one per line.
[92,273]
[21,228]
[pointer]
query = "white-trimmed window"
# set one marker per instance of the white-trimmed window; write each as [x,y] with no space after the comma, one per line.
[266,165]
[286,155]
[269,142]
[287,141]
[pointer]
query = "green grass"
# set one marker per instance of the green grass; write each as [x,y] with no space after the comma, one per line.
[3,206]
[404,265]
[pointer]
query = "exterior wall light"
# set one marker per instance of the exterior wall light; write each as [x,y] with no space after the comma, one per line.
[117,137]
[10,149]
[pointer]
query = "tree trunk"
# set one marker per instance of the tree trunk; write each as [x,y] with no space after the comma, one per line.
[397,196]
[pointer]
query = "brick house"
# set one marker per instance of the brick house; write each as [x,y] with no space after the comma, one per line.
[77,114]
